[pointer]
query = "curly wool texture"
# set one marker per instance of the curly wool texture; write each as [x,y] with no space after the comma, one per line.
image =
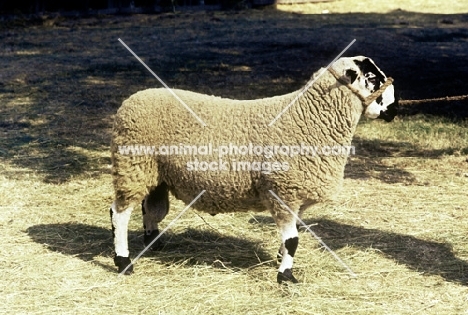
[325,115]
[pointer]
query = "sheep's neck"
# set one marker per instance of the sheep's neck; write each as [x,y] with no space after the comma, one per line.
[330,120]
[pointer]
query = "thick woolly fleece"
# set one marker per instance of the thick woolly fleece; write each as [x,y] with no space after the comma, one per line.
[326,115]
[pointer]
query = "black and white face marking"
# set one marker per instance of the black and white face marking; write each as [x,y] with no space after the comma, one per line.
[373,78]
[366,77]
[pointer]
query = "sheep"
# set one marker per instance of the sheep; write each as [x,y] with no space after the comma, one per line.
[325,113]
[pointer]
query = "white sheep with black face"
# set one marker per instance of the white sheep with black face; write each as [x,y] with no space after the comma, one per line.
[326,113]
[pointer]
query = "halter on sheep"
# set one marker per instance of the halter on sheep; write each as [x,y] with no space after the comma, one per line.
[365,100]
[327,113]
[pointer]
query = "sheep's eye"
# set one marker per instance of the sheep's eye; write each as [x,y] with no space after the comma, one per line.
[372,78]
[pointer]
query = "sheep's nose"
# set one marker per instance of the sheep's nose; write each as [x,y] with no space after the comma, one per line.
[390,112]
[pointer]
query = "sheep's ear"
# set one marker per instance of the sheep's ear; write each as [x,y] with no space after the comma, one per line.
[351,75]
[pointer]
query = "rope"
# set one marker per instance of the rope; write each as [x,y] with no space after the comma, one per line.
[379,92]
[428,100]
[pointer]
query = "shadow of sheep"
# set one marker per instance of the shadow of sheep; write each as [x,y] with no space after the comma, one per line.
[421,255]
[193,247]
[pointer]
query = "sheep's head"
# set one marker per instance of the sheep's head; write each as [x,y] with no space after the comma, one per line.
[365,77]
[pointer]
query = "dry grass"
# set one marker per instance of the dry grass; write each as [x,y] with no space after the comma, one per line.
[348,6]
[400,222]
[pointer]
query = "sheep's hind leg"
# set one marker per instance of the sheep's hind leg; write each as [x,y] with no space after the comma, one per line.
[119,222]
[290,241]
[154,208]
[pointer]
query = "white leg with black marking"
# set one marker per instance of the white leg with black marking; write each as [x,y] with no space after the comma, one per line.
[120,232]
[290,241]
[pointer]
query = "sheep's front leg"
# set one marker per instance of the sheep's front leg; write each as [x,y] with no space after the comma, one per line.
[290,241]
[119,222]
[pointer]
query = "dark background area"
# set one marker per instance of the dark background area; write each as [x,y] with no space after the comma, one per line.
[88,6]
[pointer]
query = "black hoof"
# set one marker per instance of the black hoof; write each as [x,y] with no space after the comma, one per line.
[148,238]
[286,276]
[122,263]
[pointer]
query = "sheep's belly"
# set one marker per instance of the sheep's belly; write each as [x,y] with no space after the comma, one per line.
[216,201]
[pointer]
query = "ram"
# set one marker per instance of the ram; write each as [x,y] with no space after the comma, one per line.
[324,113]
